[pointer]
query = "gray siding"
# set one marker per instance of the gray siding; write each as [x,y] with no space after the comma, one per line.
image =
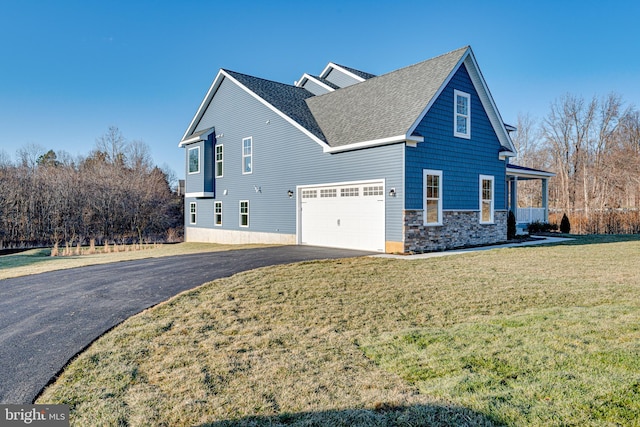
[340,79]
[283,158]
[314,87]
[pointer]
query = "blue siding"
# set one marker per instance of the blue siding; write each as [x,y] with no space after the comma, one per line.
[203,180]
[283,158]
[461,160]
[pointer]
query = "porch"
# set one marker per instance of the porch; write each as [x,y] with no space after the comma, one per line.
[533,208]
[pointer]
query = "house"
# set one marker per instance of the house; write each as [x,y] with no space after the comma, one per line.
[409,161]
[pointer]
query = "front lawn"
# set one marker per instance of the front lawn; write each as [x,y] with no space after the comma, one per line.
[524,336]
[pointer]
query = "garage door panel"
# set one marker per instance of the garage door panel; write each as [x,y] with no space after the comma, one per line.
[347,216]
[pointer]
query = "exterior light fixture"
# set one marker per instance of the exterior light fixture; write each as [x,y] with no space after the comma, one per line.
[392,192]
[290,194]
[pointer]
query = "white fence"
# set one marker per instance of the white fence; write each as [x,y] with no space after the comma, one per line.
[529,215]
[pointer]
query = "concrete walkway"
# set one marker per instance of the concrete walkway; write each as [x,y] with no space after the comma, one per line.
[540,240]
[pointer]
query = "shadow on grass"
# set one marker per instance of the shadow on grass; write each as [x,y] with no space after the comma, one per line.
[592,239]
[414,415]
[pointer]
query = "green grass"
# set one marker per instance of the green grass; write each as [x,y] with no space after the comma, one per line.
[546,336]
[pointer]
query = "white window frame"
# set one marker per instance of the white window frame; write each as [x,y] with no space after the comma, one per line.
[193,213]
[492,200]
[438,173]
[189,160]
[241,214]
[219,161]
[247,156]
[217,214]
[456,114]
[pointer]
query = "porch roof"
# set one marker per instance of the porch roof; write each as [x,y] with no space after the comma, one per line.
[523,172]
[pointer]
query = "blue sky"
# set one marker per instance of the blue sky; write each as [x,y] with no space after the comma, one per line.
[71,69]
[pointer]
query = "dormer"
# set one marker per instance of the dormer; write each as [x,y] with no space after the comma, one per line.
[315,85]
[342,76]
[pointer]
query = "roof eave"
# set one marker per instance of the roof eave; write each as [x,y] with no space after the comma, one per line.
[409,139]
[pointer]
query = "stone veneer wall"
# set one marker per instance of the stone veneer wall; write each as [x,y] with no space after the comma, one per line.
[459,229]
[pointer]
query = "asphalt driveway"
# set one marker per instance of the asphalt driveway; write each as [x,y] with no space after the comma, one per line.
[47,319]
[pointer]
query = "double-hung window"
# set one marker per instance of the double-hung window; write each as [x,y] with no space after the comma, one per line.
[432,197]
[247,155]
[192,212]
[193,155]
[462,114]
[486,199]
[217,214]
[244,213]
[219,161]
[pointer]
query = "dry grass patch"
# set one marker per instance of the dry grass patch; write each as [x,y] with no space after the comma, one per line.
[288,345]
[40,260]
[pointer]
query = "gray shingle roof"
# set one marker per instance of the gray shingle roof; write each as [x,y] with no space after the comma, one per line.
[383,106]
[289,99]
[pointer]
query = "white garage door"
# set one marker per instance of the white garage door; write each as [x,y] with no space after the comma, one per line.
[343,215]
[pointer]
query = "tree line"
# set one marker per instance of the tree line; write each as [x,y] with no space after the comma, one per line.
[114,194]
[593,146]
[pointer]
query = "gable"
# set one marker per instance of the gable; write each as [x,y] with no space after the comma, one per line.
[461,160]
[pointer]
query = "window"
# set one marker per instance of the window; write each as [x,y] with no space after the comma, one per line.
[462,114]
[328,192]
[192,213]
[309,194]
[219,160]
[373,191]
[486,199]
[247,155]
[432,197]
[244,213]
[194,160]
[217,215]
[349,192]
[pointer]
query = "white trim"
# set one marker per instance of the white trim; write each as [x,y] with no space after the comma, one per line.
[189,160]
[330,65]
[384,141]
[468,58]
[438,93]
[504,154]
[201,109]
[438,173]
[215,160]
[240,202]
[460,94]
[250,156]
[306,76]
[493,198]
[528,173]
[211,93]
[200,194]
[487,101]
[278,112]
[215,203]
[191,140]
[193,213]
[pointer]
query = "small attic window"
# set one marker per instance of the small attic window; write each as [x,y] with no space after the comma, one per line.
[462,114]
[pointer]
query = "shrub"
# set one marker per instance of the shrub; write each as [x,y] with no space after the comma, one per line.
[541,227]
[565,225]
[511,226]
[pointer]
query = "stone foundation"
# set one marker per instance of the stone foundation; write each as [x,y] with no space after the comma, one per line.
[459,229]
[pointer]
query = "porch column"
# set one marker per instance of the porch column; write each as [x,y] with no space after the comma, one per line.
[513,203]
[545,198]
